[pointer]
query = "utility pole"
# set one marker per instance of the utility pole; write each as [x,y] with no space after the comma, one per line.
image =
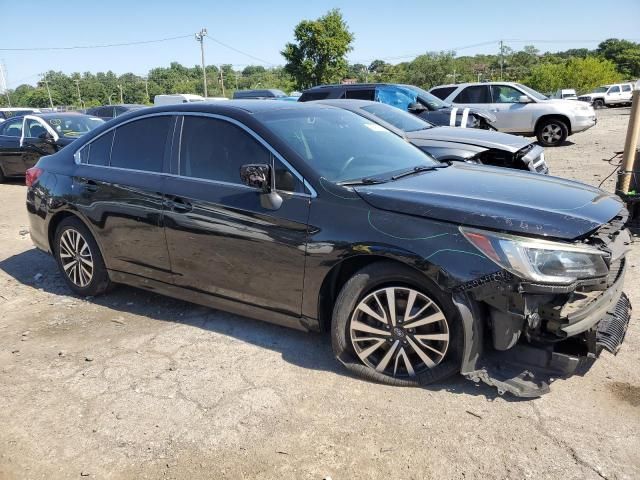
[44,76]
[501,58]
[146,88]
[200,38]
[121,97]
[454,75]
[79,96]
[3,84]
[236,80]
[221,80]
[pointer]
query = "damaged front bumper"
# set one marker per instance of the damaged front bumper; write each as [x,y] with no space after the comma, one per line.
[521,337]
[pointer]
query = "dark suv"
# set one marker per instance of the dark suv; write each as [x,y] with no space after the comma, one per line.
[317,218]
[408,98]
[107,112]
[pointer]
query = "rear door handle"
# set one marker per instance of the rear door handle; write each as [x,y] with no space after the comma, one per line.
[179,205]
[89,185]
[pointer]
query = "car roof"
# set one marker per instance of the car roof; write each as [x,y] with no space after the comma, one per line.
[246,106]
[349,85]
[474,83]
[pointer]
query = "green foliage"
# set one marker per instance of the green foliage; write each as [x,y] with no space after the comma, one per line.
[582,74]
[625,54]
[319,54]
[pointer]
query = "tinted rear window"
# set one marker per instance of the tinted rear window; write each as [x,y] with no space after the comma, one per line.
[99,151]
[142,144]
[474,94]
[315,95]
[442,92]
[361,94]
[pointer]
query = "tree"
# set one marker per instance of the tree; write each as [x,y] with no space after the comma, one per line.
[625,54]
[319,54]
[429,70]
[583,74]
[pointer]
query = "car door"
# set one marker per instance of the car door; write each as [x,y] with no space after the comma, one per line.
[626,93]
[10,153]
[477,96]
[38,139]
[512,115]
[614,95]
[118,185]
[222,239]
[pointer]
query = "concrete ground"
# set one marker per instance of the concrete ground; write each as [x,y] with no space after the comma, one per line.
[134,385]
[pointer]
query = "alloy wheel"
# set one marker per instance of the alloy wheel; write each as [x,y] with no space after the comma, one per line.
[399,331]
[552,133]
[76,258]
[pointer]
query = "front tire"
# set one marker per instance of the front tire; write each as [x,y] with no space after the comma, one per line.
[79,259]
[598,103]
[2,177]
[392,325]
[552,132]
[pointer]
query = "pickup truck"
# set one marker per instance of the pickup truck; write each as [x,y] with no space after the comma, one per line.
[609,95]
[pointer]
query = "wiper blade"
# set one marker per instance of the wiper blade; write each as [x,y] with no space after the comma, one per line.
[418,169]
[362,181]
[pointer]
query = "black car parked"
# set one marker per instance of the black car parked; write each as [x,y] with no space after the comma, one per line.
[107,112]
[405,97]
[265,94]
[316,218]
[24,139]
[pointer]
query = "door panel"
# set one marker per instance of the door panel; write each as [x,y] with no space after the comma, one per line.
[511,115]
[225,243]
[10,152]
[125,209]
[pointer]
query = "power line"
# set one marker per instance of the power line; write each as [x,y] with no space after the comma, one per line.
[108,45]
[240,51]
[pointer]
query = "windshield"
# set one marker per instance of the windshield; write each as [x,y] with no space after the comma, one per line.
[532,92]
[601,90]
[73,126]
[427,98]
[341,145]
[401,120]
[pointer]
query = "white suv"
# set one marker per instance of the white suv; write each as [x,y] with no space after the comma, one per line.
[609,95]
[520,109]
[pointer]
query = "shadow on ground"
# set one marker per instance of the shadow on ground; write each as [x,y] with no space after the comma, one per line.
[38,270]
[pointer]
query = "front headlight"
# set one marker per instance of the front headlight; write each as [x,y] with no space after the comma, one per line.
[540,261]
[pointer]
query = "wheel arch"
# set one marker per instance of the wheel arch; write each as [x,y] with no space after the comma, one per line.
[552,116]
[338,275]
[57,218]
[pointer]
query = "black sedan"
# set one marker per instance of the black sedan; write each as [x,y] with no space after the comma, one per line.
[316,218]
[408,98]
[24,139]
[472,145]
[107,112]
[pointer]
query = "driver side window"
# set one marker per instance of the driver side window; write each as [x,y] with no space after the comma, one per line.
[505,94]
[33,128]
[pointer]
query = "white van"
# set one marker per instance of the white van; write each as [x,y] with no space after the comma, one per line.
[176,98]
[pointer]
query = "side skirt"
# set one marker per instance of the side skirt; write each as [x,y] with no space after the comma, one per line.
[216,302]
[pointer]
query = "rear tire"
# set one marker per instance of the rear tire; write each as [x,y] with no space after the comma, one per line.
[422,345]
[79,259]
[2,177]
[552,132]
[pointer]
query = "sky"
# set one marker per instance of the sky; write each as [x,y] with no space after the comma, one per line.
[391,30]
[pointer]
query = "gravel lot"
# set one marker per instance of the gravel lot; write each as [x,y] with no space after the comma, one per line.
[134,385]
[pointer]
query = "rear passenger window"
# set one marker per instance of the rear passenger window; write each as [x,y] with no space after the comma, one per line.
[98,152]
[142,144]
[309,96]
[442,92]
[626,88]
[368,94]
[215,149]
[474,94]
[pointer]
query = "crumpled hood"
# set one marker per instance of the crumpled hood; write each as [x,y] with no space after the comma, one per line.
[497,199]
[472,136]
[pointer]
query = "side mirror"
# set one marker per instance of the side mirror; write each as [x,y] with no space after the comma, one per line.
[416,107]
[256,176]
[524,99]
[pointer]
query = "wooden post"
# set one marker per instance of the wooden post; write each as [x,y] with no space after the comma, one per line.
[630,145]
